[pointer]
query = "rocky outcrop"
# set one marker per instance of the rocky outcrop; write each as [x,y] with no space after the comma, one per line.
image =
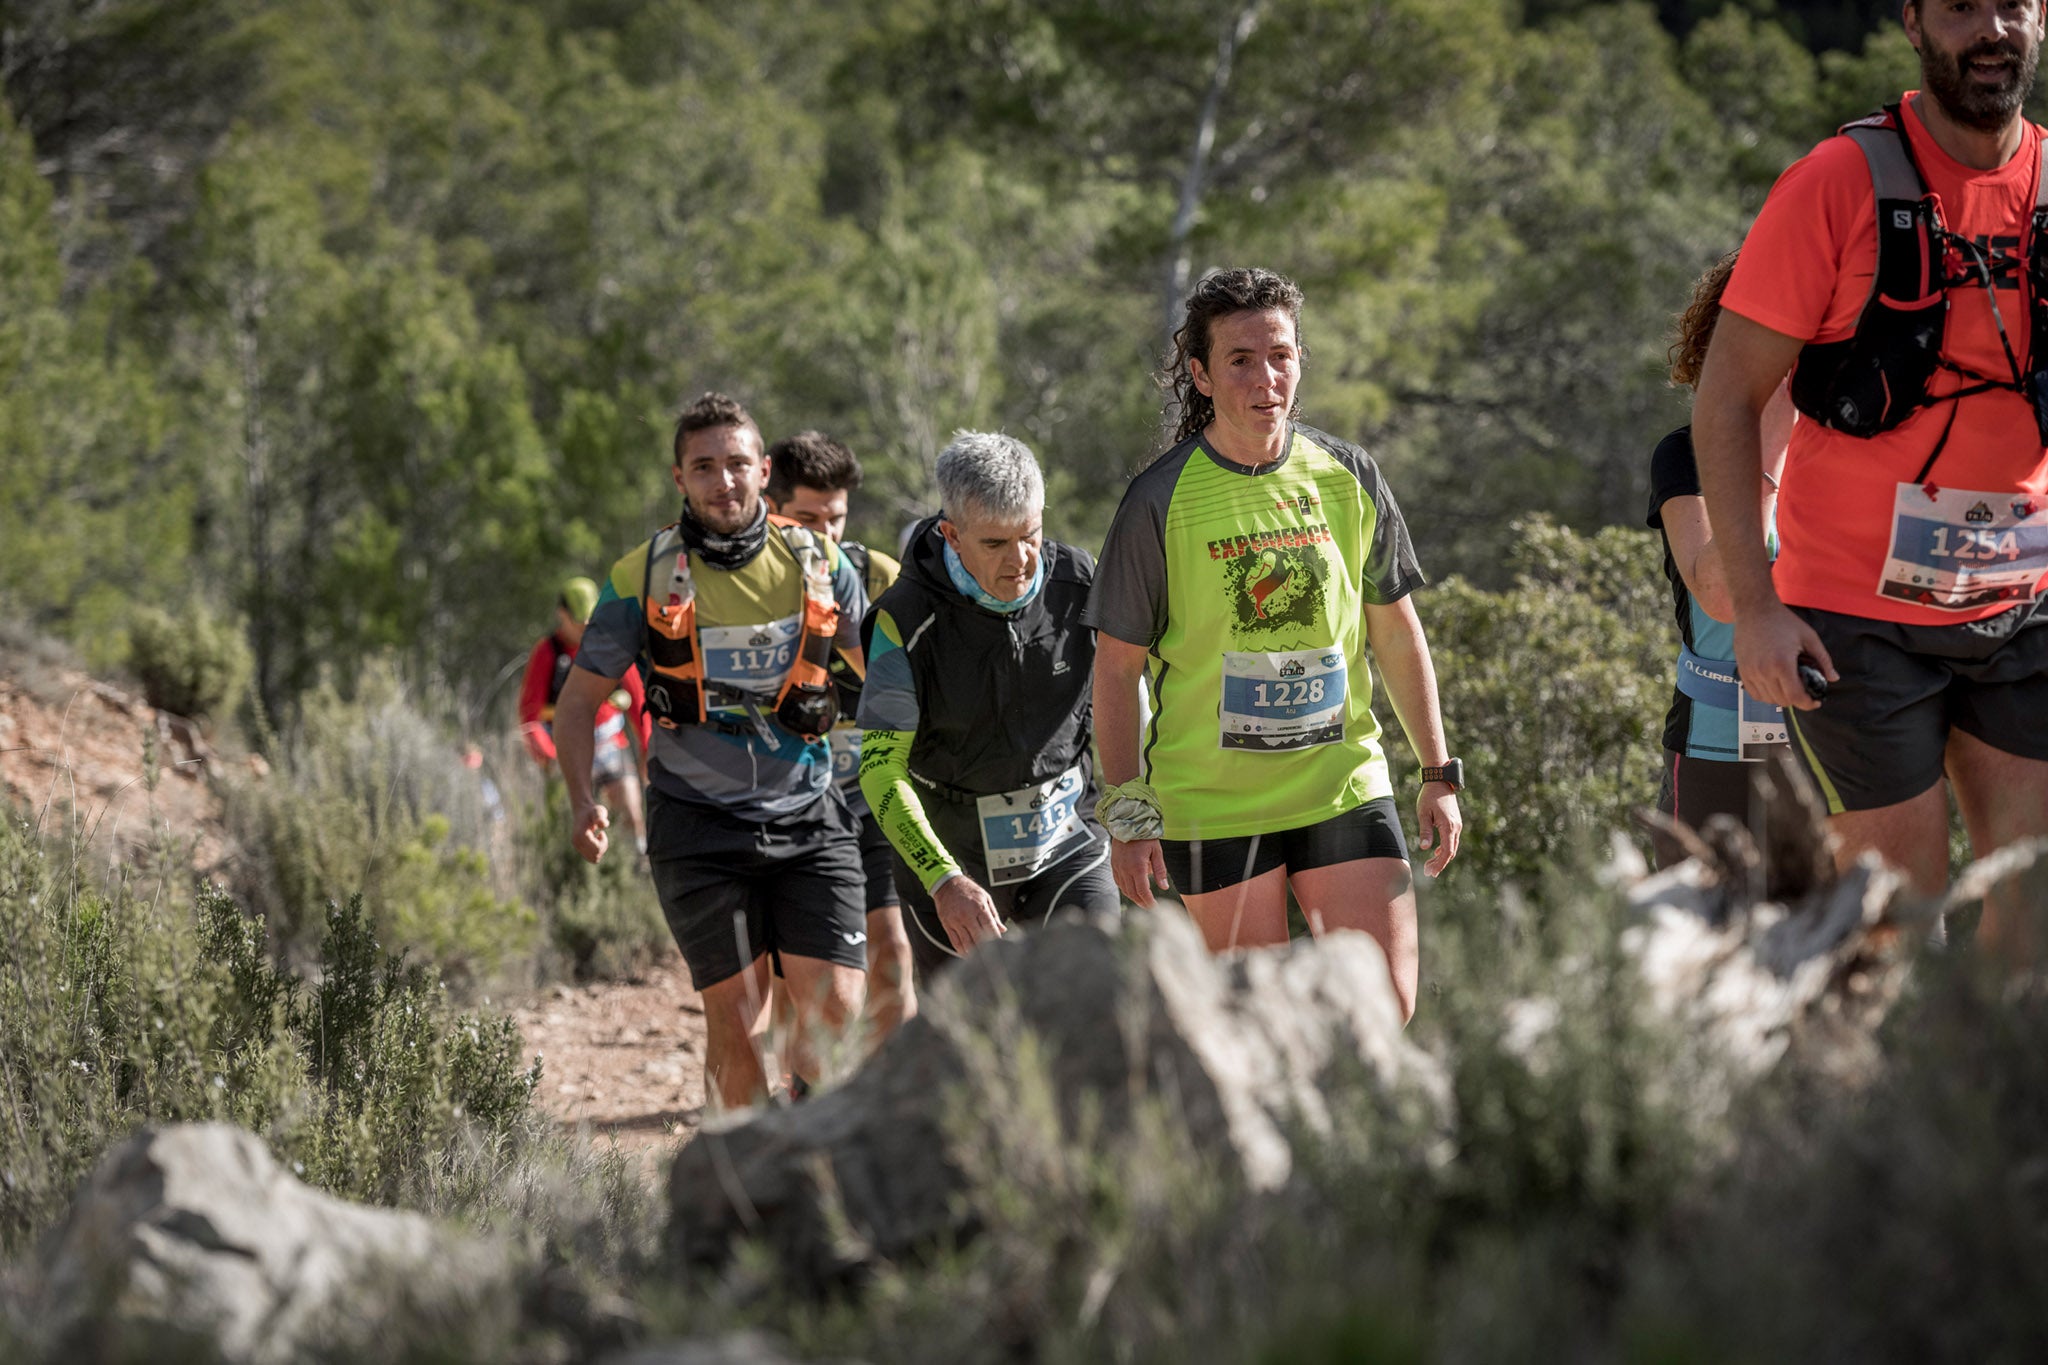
[1120,1015]
[120,776]
[195,1235]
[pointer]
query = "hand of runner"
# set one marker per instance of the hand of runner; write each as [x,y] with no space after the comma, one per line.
[967,913]
[1438,824]
[587,824]
[1769,643]
[1137,867]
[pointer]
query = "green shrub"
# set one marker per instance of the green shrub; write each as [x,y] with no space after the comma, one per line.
[370,798]
[189,664]
[1553,693]
[119,1009]
[1901,1223]
[603,921]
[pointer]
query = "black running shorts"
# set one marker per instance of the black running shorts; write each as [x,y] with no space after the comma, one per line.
[878,864]
[735,889]
[1879,737]
[1696,789]
[1198,866]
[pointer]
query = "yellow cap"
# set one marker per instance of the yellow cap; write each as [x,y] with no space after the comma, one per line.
[579,597]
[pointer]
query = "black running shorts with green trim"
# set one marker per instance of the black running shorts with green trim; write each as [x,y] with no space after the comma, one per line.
[1198,866]
[733,890]
[1879,737]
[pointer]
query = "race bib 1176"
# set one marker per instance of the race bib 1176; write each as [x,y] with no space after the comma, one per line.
[750,659]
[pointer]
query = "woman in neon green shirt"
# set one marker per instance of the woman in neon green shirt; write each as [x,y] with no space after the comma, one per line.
[1249,571]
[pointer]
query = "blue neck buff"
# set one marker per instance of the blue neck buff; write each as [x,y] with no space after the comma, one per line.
[974,592]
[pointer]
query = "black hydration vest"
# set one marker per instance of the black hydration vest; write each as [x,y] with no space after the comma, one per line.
[1004,701]
[1873,380]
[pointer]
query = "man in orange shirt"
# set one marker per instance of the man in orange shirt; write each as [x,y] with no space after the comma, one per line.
[1892,266]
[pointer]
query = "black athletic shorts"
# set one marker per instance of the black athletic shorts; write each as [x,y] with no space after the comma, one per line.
[878,865]
[1879,737]
[1695,789]
[735,889]
[1373,830]
[1081,880]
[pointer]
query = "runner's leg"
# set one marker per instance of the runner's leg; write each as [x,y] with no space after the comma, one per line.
[1911,835]
[1377,896]
[816,898]
[1877,745]
[1080,881]
[1251,914]
[827,997]
[735,1011]
[704,866]
[930,949]
[2004,799]
[892,996]
[623,795]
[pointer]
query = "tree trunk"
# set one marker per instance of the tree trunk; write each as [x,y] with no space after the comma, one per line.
[1179,261]
[247,311]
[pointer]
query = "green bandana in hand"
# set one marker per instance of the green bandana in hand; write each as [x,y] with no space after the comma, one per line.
[1130,813]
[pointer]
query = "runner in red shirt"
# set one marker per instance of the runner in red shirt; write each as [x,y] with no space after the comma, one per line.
[1912,547]
[616,771]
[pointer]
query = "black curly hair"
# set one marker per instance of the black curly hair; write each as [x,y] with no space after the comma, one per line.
[1218,294]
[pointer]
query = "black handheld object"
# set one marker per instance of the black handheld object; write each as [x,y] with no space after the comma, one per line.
[1816,682]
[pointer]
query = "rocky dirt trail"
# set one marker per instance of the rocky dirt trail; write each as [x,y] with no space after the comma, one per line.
[623,1059]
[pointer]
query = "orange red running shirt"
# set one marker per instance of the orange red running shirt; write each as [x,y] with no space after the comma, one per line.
[1805,271]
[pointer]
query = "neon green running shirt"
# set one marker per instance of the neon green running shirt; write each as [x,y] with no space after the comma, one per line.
[1249,590]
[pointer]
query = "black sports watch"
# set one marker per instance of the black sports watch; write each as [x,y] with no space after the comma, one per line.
[1451,774]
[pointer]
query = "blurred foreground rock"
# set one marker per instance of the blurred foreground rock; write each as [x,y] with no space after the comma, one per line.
[1238,1051]
[1756,948]
[195,1237]
[737,1348]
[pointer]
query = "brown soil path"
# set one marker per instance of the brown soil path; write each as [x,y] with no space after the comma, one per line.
[625,1058]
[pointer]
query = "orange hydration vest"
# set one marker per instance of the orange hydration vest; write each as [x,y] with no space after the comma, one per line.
[677,691]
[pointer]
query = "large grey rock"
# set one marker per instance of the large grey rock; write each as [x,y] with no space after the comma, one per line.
[1124,1014]
[196,1234]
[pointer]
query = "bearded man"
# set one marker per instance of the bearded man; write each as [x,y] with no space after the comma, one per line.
[1897,273]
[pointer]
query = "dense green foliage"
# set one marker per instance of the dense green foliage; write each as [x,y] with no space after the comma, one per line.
[371,800]
[191,663]
[127,1005]
[467,869]
[364,322]
[344,330]
[1554,691]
